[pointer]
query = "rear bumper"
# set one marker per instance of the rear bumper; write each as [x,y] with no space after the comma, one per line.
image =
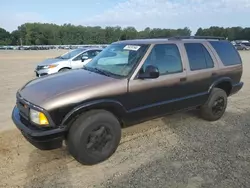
[236,87]
[40,138]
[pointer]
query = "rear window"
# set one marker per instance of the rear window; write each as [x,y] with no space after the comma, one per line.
[227,52]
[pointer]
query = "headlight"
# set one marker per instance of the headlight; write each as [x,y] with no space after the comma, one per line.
[49,66]
[38,117]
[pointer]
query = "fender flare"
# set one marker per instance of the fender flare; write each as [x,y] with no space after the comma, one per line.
[224,79]
[113,106]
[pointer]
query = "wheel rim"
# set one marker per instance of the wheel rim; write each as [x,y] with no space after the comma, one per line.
[218,106]
[99,139]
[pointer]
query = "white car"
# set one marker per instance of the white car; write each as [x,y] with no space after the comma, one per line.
[73,59]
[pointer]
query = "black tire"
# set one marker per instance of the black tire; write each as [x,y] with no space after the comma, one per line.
[78,141]
[215,106]
[64,69]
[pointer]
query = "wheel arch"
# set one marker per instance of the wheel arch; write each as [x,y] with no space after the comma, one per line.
[223,83]
[64,68]
[115,107]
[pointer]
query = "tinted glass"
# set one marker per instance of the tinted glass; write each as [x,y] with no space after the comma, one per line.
[166,57]
[79,57]
[198,56]
[227,53]
[93,53]
[209,60]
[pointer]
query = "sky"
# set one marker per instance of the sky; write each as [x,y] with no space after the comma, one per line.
[137,13]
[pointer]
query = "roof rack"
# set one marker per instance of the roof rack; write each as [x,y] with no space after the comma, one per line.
[195,37]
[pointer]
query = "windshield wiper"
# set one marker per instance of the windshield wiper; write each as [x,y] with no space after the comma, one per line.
[103,72]
[106,73]
[94,69]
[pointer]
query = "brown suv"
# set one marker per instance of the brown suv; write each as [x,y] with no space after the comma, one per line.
[128,82]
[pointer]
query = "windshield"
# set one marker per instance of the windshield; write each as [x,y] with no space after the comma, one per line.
[117,60]
[70,54]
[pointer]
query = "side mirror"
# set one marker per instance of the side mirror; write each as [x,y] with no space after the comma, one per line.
[84,58]
[150,72]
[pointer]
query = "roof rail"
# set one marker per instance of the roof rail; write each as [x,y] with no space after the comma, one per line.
[195,37]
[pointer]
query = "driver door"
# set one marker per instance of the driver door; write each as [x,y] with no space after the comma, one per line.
[77,61]
[158,96]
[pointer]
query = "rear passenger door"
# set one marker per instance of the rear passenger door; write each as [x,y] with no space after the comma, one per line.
[201,72]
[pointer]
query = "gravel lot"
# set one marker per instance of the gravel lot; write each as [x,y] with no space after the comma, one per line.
[180,150]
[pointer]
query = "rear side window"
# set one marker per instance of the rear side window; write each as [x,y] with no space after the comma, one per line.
[227,52]
[198,56]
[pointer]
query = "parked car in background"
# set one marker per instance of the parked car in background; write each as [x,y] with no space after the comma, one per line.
[73,59]
[246,45]
[241,46]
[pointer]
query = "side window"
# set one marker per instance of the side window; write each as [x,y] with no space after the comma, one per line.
[227,52]
[198,56]
[93,53]
[166,57]
[209,60]
[79,57]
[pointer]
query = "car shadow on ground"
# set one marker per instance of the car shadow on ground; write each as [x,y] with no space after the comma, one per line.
[48,169]
[209,154]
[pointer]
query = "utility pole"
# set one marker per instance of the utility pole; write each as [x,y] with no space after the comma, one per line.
[21,42]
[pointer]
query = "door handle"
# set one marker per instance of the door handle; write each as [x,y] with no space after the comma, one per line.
[183,79]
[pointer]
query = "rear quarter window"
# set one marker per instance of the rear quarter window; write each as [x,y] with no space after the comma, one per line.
[227,52]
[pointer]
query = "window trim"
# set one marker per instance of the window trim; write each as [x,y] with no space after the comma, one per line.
[208,51]
[134,73]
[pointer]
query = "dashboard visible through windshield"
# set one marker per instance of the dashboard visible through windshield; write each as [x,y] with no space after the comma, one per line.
[118,59]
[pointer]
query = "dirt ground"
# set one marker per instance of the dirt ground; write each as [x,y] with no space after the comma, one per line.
[180,150]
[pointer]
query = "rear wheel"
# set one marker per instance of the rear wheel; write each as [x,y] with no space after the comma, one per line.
[94,137]
[216,105]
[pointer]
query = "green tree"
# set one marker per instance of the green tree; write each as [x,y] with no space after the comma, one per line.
[52,34]
[5,37]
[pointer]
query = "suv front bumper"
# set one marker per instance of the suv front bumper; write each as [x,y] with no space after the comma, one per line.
[40,138]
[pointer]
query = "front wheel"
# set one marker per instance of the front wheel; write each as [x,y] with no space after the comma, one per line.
[94,137]
[216,105]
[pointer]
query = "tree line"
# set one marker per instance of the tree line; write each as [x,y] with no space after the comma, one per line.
[52,34]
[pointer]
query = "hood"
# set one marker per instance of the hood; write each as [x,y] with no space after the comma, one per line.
[71,84]
[51,61]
